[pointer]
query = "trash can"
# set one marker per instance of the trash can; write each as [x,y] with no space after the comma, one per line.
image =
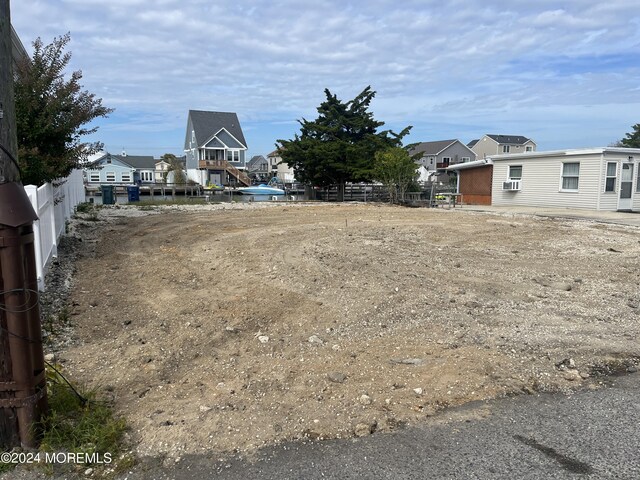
[108,194]
[133,193]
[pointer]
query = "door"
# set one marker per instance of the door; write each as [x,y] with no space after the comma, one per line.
[626,184]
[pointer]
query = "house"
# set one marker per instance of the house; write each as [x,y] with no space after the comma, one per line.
[596,178]
[440,154]
[283,171]
[499,144]
[215,148]
[258,168]
[161,166]
[123,168]
[144,167]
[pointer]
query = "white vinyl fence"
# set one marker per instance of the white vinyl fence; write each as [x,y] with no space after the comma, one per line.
[54,206]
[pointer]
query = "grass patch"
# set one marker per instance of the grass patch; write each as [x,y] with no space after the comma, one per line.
[79,423]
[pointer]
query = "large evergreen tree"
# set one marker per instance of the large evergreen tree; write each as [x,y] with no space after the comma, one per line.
[52,114]
[632,139]
[339,146]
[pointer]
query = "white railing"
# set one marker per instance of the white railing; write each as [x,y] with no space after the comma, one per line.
[54,206]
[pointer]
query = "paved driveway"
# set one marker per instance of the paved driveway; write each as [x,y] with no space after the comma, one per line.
[619,218]
[590,434]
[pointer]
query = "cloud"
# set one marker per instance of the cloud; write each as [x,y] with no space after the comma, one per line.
[432,63]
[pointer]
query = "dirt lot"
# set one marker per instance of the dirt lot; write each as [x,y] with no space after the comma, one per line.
[220,331]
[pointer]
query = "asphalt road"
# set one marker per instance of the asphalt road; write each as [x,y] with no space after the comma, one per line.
[590,434]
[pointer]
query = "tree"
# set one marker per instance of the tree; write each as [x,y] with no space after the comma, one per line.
[631,140]
[179,178]
[339,146]
[52,114]
[396,170]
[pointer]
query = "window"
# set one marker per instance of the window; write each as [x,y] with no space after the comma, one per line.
[229,156]
[515,172]
[111,176]
[506,148]
[610,182]
[126,177]
[570,175]
[529,148]
[146,176]
[638,180]
[94,177]
[465,159]
[236,156]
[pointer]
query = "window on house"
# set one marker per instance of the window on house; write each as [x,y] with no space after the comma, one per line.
[229,156]
[506,148]
[610,181]
[446,160]
[146,176]
[638,180]
[236,156]
[465,159]
[126,177]
[529,148]
[570,176]
[111,176]
[94,177]
[515,172]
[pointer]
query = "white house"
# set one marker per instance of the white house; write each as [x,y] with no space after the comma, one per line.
[591,178]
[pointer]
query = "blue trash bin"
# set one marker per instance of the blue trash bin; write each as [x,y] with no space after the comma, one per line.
[133,193]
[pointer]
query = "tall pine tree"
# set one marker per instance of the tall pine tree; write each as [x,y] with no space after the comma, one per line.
[340,145]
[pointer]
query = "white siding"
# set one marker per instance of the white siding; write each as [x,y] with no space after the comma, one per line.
[541,181]
[636,188]
[609,200]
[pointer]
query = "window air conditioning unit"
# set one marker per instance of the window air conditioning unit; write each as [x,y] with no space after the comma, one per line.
[512,185]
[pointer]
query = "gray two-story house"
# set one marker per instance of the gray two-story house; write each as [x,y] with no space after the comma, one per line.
[501,144]
[215,148]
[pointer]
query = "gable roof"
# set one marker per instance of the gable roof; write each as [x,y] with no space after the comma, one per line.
[138,161]
[509,139]
[255,160]
[473,142]
[431,148]
[206,124]
[133,161]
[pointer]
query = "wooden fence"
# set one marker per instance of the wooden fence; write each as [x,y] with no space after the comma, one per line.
[54,205]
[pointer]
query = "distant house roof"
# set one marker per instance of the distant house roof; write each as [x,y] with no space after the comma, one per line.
[255,160]
[138,161]
[135,161]
[473,142]
[276,153]
[206,124]
[431,148]
[509,139]
[18,52]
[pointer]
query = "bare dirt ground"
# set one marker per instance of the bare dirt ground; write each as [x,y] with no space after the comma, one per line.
[223,331]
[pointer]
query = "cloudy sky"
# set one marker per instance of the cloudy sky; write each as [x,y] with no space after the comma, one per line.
[565,73]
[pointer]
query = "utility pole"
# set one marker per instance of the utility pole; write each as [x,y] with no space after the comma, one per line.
[22,375]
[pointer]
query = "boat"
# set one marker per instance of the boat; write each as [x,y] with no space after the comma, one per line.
[262,189]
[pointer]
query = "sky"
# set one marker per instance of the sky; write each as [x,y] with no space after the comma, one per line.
[563,73]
